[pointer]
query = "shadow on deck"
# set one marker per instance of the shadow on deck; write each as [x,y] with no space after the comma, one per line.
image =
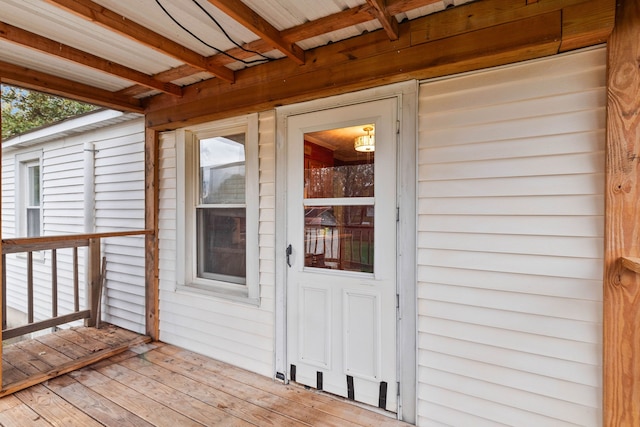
[156,384]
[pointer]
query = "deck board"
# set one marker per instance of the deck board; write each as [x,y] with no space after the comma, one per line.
[230,404]
[63,346]
[156,384]
[31,362]
[93,404]
[245,390]
[53,408]
[22,415]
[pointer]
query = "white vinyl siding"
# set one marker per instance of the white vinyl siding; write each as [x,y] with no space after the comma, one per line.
[119,194]
[63,187]
[234,332]
[510,244]
[119,205]
[63,195]
[61,204]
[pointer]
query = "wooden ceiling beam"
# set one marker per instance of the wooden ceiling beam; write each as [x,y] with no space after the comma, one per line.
[346,18]
[371,59]
[388,22]
[165,76]
[35,80]
[458,20]
[395,7]
[112,21]
[357,63]
[337,21]
[259,26]
[52,47]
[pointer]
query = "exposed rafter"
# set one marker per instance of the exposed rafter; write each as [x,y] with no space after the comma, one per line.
[117,23]
[388,22]
[398,6]
[259,26]
[43,44]
[194,63]
[337,21]
[43,82]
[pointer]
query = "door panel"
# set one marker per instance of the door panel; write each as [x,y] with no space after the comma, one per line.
[341,285]
[315,325]
[362,334]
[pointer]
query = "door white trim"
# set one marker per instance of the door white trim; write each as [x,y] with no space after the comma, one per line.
[406,93]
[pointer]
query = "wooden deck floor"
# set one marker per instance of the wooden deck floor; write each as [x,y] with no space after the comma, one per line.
[162,385]
[29,362]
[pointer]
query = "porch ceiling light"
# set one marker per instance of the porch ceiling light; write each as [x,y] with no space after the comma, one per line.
[365,143]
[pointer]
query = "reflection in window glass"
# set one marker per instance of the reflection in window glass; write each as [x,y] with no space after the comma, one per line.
[340,234]
[222,244]
[339,237]
[222,170]
[340,181]
[221,212]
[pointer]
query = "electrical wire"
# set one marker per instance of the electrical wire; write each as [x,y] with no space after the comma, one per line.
[238,45]
[222,52]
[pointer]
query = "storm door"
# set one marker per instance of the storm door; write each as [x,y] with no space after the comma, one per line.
[341,227]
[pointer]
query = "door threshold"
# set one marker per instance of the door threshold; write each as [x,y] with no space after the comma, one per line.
[370,408]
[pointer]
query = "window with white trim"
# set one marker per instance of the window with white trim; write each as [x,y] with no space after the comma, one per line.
[218,212]
[29,196]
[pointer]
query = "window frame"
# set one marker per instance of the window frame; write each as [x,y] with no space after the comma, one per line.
[188,183]
[25,161]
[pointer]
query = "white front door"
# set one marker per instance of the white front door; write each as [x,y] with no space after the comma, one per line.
[341,227]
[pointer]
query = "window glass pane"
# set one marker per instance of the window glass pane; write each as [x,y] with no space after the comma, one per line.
[339,237]
[339,181]
[34,185]
[33,222]
[333,167]
[222,170]
[222,244]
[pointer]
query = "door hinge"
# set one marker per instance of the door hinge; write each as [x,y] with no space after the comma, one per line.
[397,127]
[398,214]
[398,301]
[398,390]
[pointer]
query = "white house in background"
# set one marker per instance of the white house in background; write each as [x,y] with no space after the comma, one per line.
[82,175]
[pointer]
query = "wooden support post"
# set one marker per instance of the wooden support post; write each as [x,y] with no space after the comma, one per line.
[30,287]
[3,298]
[151,240]
[76,281]
[94,280]
[621,305]
[54,283]
[3,264]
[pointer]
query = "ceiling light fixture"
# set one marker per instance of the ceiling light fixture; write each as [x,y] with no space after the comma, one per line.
[365,143]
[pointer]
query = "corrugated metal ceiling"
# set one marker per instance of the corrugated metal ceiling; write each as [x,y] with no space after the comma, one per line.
[195,24]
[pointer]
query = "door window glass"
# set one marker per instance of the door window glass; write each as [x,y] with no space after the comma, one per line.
[339,169]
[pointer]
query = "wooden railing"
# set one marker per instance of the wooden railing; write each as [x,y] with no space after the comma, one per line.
[53,244]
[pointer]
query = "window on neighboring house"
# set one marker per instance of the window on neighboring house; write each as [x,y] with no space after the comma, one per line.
[219,169]
[33,195]
[29,196]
